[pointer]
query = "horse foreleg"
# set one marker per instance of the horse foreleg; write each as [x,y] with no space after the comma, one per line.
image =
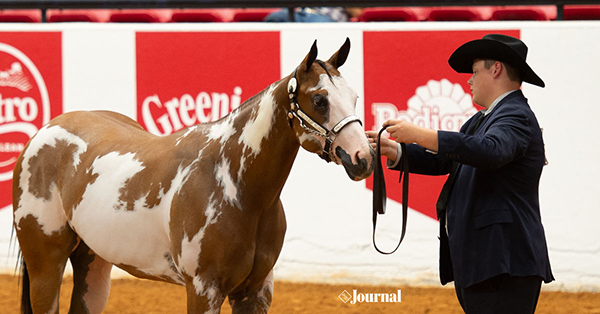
[257,300]
[91,281]
[203,297]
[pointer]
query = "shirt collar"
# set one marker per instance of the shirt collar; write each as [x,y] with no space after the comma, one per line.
[499,99]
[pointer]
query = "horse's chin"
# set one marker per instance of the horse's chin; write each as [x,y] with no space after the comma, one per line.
[359,170]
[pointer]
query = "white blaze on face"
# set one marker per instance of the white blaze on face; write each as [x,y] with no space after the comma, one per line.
[48,213]
[342,99]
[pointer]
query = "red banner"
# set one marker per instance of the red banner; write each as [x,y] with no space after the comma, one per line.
[197,77]
[30,94]
[407,77]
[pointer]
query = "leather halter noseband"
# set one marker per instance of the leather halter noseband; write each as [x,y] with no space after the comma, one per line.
[315,127]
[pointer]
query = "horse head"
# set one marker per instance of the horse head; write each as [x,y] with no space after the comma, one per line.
[322,113]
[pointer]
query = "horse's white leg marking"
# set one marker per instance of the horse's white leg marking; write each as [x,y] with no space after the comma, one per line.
[48,212]
[266,291]
[259,127]
[209,291]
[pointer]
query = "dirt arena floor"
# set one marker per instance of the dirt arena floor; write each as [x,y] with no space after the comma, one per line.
[132,296]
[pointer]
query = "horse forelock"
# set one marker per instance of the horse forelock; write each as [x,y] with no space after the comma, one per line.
[324,66]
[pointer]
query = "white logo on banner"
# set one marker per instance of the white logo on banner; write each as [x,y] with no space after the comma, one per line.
[17,114]
[438,105]
[186,110]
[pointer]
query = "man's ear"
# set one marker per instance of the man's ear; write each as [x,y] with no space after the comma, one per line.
[498,68]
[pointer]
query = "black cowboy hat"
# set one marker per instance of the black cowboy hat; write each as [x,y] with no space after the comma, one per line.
[496,47]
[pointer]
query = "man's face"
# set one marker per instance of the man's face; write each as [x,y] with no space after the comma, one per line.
[481,82]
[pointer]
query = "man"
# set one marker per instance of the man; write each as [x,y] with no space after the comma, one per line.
[492,242]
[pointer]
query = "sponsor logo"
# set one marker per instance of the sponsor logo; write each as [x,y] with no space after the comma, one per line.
[370,297]
[164,118]
[186,78]
[30,94]
[24,105]
[439,105]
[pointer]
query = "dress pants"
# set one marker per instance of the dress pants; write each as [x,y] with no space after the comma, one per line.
[502,294]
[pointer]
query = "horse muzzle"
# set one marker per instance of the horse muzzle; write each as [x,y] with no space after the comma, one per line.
[358,167]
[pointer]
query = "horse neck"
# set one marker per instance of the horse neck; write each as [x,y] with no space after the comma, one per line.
[270,159]
[255,145]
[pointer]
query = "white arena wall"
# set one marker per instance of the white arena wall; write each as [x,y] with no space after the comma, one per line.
[329,217]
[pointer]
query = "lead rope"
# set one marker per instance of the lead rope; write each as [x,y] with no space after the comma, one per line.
[379,193]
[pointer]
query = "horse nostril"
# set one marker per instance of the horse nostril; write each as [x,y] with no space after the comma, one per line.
[357,157]
[365,156]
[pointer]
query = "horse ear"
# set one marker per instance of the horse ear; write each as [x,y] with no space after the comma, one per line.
[339,58]
[310,57]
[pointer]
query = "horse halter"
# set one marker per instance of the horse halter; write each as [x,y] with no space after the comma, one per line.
[315,128]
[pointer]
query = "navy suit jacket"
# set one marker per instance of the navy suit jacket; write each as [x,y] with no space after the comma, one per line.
[493,214]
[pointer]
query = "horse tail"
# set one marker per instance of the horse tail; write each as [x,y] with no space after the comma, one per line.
[25,296]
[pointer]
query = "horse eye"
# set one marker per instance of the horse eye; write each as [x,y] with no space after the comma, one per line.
[320,102]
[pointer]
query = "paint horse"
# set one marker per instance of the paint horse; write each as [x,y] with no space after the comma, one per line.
[198,208]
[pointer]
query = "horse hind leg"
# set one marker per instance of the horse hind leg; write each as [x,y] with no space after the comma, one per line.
[257,300]
[91,281]
[45,258]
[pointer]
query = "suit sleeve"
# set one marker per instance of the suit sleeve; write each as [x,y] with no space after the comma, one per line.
[505,139]
[421,161]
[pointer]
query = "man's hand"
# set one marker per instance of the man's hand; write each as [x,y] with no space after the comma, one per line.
[406,132]
[388,147]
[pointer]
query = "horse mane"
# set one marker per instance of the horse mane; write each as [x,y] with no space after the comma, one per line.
[256,97]
[248,103]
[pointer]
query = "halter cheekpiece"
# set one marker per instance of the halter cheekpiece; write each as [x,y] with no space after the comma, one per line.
[315,127]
